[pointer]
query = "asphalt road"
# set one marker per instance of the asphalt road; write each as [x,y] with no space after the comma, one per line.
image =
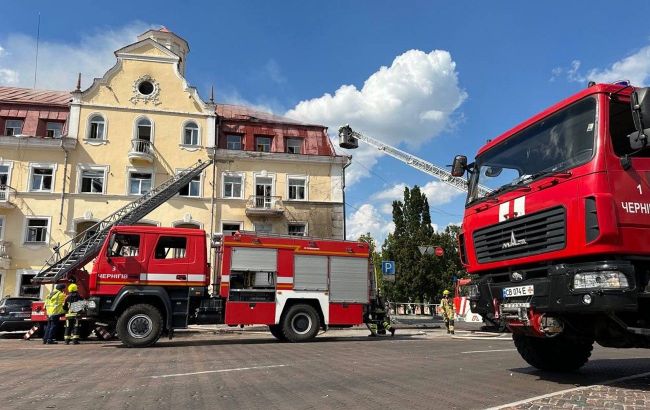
[341,369]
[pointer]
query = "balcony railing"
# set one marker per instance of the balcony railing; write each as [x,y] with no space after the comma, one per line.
[7,194]
[5,258]
[141,150]
[264,205]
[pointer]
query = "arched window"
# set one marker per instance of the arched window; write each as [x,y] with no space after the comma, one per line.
[191,134]
[144,129]
[96,128]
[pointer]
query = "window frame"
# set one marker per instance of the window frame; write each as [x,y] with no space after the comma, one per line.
[138,171]
[200,195]
[13,134]
[241,142]
[305,178]
[301,142]
[3,227]
[269,137]
[136,130]
[32,167]
[82,168]
[184,127]
[19,276]
[165,259]
[10,165]
[89,125]
[48,227]
[223,184]
[223,222]
[305,225]
[47,129]
[255,224]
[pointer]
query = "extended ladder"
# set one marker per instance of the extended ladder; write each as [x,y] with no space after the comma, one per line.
[85,246]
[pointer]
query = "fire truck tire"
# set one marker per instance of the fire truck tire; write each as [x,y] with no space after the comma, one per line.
[300,323]
[276,331]
[558,354]
[140,326]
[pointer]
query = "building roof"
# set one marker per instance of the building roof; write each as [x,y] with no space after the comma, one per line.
[30,96]
[242,113]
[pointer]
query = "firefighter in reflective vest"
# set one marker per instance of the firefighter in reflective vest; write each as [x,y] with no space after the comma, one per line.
[71,317]
[447,308]
[54,310]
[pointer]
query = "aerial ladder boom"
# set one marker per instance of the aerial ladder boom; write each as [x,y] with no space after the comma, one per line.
[348,138]
[86,245]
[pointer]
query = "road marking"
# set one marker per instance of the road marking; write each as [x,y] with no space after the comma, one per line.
[238,369]
[488,351]
[544,396]
[36,348]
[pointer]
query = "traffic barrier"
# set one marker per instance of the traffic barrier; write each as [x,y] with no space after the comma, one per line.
[101,332]
[31,332]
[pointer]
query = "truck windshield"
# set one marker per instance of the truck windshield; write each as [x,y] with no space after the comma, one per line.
[558,142]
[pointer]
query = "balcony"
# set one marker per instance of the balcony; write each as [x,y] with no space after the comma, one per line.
[5,259]
[264,206]
[7,195]
[141,150]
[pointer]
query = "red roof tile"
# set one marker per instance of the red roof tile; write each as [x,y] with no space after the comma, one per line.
[242,113]
[30,96]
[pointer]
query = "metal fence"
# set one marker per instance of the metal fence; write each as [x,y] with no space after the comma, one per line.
[414,309]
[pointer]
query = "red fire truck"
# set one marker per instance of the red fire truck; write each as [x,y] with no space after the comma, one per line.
[560,243]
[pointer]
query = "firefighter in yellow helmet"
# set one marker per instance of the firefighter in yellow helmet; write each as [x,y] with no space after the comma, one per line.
[447,308]
[54,310]
[71,316]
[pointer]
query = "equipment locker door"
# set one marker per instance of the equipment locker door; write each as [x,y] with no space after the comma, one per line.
[349,279]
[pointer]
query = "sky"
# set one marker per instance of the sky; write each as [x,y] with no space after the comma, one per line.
[433,78]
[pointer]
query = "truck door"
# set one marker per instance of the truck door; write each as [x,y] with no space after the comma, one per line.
[168,262]
[124,260]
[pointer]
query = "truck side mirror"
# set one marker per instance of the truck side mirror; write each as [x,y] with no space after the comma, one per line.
[459,166]
[640,102]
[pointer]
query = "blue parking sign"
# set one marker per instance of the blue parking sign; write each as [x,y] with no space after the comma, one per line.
[388,267]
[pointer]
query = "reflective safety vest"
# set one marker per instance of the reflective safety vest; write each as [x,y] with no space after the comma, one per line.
[447,308]
[54,303]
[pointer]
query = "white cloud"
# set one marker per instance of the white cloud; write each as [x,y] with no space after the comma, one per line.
[635,68]
[367,219]
[409,103]
[59,63]
[272,69]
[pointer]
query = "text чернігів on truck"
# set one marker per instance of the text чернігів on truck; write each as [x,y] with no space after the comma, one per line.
[559,247]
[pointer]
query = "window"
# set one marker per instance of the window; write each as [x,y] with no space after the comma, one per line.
[41,180]
[263,228]
[53,129]
[297,229]
[13,127]
[124,244]
[263,144]
[145,87]
[92,181]
[139,183]
[2,227]
[234,142]
[143,131]
[96,129]
[297,189]
[191,134]
[232,186]
[4,175]
[294,145]
[193,189]
[171,247]
[37,229]
[229,228]
[26,288]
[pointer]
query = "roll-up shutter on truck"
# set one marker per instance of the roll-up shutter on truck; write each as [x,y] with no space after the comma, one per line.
[349,280]
[254,259]
[310,272]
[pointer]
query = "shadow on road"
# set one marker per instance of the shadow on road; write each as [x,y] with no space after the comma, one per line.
[595,371]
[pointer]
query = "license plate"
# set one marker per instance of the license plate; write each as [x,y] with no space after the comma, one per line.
[513,292]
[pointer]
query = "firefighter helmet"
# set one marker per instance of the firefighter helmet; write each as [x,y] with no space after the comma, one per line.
[72,288]
[445,292]
[60,286]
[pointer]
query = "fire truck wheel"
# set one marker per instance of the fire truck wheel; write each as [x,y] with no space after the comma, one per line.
[276,331]
[558,354]
[140,326]
[300,324]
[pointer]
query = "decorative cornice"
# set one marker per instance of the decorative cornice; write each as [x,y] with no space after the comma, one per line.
[38,143]
[232,155]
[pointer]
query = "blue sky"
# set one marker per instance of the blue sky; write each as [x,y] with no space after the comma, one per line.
[497,64]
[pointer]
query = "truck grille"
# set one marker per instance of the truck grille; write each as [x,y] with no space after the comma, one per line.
[529,235]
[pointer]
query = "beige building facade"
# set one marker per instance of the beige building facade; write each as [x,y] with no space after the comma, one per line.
[70,159]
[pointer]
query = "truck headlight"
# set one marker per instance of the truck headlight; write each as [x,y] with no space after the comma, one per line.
[600,280]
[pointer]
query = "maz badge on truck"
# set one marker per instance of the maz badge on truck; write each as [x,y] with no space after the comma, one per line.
[513,292]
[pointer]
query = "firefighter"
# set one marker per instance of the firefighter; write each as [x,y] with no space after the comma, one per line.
[447,308]
[54,310]
[71,317]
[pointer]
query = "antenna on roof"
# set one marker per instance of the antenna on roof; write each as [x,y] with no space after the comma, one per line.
[78,83]
[38,35]
[212,95]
